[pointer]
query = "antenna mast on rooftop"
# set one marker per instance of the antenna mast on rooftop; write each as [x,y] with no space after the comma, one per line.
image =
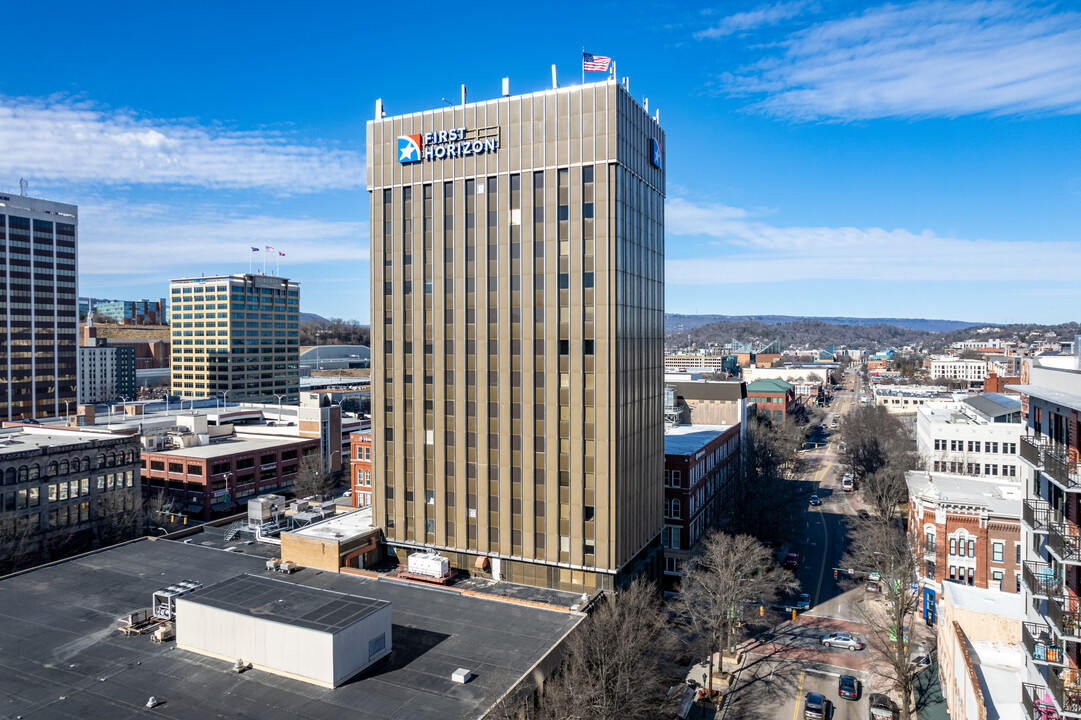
[23,185]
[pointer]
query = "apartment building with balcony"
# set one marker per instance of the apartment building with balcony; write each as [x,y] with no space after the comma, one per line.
[1050,390]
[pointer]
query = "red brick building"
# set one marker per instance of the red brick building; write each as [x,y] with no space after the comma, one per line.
[699,462]
[966,529]
[360,468]
[776,399]
[214,480]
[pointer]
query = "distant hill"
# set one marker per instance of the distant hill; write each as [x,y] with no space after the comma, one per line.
[313,318]
[675,322]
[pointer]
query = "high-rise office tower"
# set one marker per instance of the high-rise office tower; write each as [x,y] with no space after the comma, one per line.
[39,317]
[236,337]
[517,330]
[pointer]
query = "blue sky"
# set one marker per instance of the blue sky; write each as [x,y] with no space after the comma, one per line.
[914,159]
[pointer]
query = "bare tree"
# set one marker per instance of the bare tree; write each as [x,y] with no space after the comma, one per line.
[313,478]
[20,544]
[612,668]
[885,490]
[726,585]
[761,500]
[884,550]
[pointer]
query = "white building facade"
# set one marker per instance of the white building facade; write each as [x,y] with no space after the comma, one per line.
[97,375]
[975,436]
[951,368]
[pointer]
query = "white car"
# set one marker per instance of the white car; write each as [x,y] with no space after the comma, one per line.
[842,640]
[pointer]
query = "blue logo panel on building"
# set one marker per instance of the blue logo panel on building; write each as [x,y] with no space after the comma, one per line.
[655,154]
[408,149]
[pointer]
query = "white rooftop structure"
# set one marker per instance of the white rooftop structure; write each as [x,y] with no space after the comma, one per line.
[998,497]
[340,527]
[688,439]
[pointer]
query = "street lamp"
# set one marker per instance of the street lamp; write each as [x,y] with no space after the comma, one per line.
[67,414]
[280,397]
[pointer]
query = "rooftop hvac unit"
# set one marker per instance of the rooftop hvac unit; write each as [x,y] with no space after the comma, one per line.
[163,602]
[428,564]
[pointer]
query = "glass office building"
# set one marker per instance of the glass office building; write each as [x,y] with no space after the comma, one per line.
[517,335]
[39,318]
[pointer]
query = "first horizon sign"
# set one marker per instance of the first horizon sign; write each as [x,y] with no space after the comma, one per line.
[442,144]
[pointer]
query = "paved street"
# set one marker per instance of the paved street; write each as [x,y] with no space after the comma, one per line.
[784,666]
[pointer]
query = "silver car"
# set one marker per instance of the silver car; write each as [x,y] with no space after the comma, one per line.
[842,640]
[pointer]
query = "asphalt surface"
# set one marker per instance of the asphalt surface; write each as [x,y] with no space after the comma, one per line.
[783,666]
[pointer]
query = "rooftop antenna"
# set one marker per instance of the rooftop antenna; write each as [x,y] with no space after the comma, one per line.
[554,85]
[463,93]
[23,185]
[506,87]
[448,102]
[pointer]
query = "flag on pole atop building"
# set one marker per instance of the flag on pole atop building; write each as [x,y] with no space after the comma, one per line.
[591,62]
[269,249]
[255,249]
[281,254]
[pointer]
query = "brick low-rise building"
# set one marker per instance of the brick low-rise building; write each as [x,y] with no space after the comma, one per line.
[776,399]
[966,529]
[699,463]
[214,470]
[360,468]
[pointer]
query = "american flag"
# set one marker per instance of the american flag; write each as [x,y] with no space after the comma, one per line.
[595,62]
[269,249]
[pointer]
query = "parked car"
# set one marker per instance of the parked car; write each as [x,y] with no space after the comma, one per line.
[864,515]
[848,687]
[848,482]
[815,501]
[842,640]
[791,561]
[881,706]
[814,707]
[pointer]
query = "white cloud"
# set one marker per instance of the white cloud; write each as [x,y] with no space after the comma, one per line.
[739,249]
[61,140]
[933,58]
[760,17]
[141,240]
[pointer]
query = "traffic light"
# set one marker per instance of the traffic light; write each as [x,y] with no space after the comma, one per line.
[761,610]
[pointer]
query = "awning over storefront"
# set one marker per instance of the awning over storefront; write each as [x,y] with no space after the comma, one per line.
[482,563]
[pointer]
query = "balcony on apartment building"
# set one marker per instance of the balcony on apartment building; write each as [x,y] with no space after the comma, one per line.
[1064,541]
[1054,459]
[1065,690]
[1040,579]
[1041,646]
[1065,619]
[1036,515]
[1037,702]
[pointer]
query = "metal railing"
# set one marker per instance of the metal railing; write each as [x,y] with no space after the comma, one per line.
[1041,646]
[1036,514]
[1064,542]
[1061,468]
[1032,447]
[1064,617]
[1036,706]
[1040,579]
[1067,693]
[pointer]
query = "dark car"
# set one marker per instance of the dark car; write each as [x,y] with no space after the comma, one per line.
[815,501]
[791,561]
[814,707]
[881,706]
[803,602]
[848,687]
[864,515]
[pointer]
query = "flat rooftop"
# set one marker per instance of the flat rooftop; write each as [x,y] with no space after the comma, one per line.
[34,437]
[984,600]
[231,446]
[1000,497]
[339,527]
[688,439]
[62,656]
[287,603]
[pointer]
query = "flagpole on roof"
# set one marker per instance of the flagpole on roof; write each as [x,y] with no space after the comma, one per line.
[583,64]
[264,261]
